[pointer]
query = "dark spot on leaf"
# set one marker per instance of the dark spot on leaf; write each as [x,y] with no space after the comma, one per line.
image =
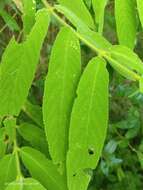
[6,138]
[90,151]
[74,175]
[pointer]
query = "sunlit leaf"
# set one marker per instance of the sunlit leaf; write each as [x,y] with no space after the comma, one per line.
[88,124]
[60,86]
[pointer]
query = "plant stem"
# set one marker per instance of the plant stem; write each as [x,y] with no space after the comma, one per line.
[15,151]
[100,52]
[51,9]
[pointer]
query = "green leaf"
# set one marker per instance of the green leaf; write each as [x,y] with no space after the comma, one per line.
[3,144]
[124,71]
[72,17]
[140,10]
[140,157]
[18,67]
[132,133]
[63,76]
[88,124]
[125,14]
[127,58]
[8,170]
[43,169]
[25,184]
[99,8]
[97,41]
[111,146]
[88,36]
[35,136]
[34,112]
[9,20]
[29,10]
[79,9]
[141,84]
[10,128]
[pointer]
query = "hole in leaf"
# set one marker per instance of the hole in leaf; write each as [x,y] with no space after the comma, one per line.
[90,151]
[74,175]
[6,138]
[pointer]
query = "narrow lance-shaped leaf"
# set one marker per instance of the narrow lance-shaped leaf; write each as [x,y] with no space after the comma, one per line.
[63,75]
[88,124]
[9,20]
[8,171]
[127,58]
[95,39]
[25,184]
[29,10]
[34,112]
[126,62]
[35,136]
[140,10]
[99,8]
[80,9]
[125,14]
[18,67]
[43,169]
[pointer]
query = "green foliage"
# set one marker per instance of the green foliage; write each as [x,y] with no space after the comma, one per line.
[29,10]
[34,112]
[10,124]
[61,90]
[9,20]
[99,8]
[8,170]
[3,144]
[87,35]
[126,19]
[25,184]
[140,10]
[89,115]
[14,70]
[42,169]
[79,8]
[60,86]
[35,136]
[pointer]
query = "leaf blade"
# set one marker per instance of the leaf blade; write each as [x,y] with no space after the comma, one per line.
[86,141]
[15,66]
[99,8]
[29,11]
[8,170]
[60,85]
[140,10]
[35,136]
[125,15]
[79,8]
[42,169]
[25,184]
